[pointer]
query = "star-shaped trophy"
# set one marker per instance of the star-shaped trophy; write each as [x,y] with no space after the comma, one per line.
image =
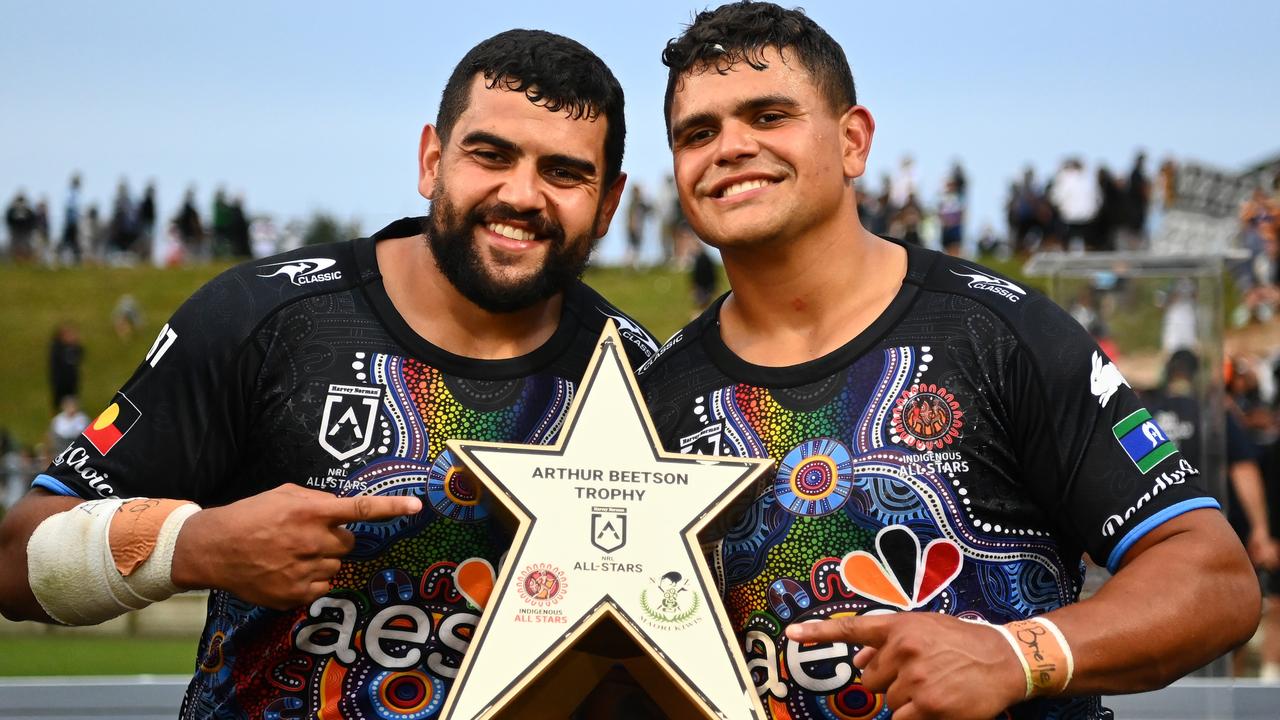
[605,568]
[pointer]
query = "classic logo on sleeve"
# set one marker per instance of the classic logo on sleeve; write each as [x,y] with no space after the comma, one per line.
[629,330]
[303,270]
[119,418]
[670,343]
[1143,440]
[999,286]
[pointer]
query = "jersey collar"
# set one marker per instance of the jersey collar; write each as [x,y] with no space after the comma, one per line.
[919,261]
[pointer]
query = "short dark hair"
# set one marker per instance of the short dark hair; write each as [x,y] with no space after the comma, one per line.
[552,71]
[739,32]
[1182,364]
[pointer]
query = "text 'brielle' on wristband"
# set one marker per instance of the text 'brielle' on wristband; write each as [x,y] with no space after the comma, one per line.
[1044,653]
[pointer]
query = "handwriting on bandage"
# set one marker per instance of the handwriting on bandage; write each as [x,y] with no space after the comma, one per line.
[134,528]
[139,505]
[1046,655]
[1041,667]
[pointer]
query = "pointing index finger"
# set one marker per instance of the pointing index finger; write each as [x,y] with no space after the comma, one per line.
[371,507]
[866,630]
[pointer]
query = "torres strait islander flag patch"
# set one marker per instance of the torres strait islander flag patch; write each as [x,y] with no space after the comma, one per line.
[1143,440]
[107,429]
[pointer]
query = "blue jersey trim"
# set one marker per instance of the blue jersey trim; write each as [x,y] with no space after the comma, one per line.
[1150,524]
[53,485]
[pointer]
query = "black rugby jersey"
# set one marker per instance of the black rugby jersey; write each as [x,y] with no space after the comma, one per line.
[957,456]
[299,369]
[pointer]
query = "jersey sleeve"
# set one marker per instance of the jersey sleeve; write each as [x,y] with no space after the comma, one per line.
[174,429]
[637,342]
[1094,458]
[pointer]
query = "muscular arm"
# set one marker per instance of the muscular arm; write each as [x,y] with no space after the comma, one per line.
[16,600]
[278,548]
[1183,595]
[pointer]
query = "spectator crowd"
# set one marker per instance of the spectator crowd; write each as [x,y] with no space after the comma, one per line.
[130,230]
[1078,209]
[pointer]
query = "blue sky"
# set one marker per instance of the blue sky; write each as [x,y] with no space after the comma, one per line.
[318,105]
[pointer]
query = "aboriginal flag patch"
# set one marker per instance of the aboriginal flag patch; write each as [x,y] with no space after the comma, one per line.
[1143,440]
[107,429]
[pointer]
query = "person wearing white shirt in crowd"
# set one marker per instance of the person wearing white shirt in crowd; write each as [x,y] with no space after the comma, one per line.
[67,424]
[1075,195]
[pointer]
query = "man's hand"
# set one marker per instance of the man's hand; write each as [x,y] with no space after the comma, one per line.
[1263,549]
[928,665]
[279,548]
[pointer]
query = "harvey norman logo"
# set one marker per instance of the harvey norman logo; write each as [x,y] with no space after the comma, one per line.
[303,271]
[999,286]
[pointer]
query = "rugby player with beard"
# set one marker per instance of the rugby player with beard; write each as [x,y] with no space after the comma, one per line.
[283,442]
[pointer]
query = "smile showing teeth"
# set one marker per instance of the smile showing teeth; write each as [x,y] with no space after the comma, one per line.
[742,187]
[508,231]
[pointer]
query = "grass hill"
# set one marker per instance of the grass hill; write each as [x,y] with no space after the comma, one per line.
[33,301]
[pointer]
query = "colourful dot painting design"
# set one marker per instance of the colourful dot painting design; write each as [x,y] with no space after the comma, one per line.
[406,561]
[782,429]
[449,419]
[784,560]
[437,540]
[815,477]
[809,540]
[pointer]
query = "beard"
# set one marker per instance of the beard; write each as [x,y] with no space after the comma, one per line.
[451,237]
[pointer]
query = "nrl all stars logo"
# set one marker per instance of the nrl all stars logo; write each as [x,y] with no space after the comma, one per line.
[670,603]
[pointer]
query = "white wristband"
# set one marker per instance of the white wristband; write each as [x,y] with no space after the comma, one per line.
[1026,668]
[1043,652]
[73,574]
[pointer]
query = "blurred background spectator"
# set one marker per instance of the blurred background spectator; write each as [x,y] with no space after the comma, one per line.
[67,424]
[21,223]
[68,252]
[65,355]
[1075,196]
[638,210]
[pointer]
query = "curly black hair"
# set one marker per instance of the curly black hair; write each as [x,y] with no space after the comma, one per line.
[554,72]
[740,32]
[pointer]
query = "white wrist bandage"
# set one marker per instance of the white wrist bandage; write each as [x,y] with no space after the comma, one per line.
[75,558]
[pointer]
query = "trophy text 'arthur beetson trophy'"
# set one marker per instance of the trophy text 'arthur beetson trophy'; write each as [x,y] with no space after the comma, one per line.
[605,567]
